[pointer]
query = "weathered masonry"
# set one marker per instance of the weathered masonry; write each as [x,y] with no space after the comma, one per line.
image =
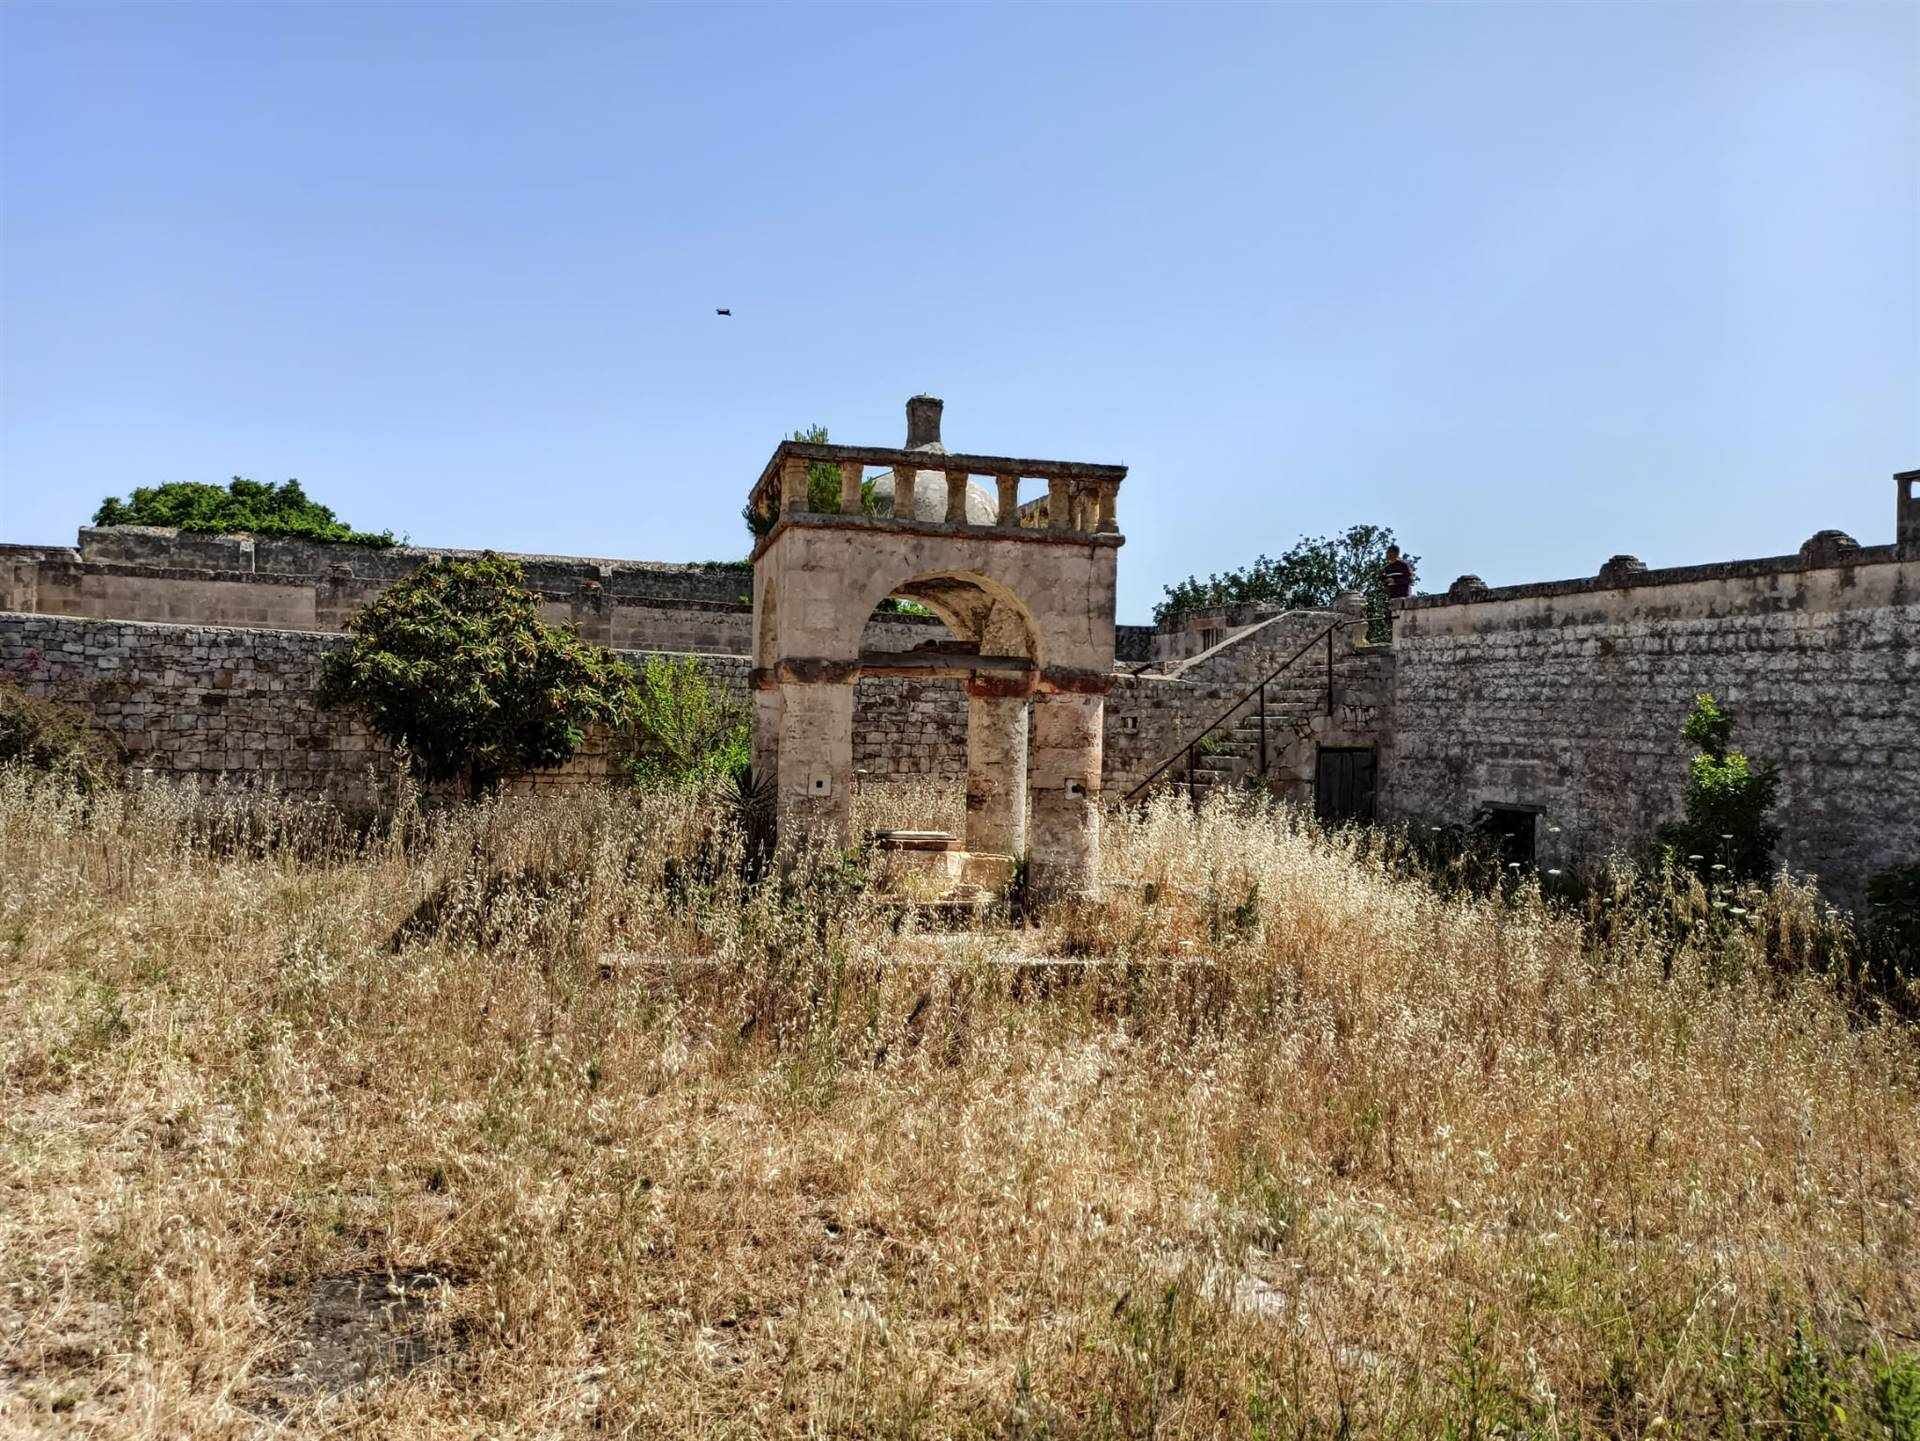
[1552,708]
[1031,615]
[1555,708]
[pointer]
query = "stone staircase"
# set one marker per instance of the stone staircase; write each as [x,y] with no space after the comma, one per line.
[1230,756]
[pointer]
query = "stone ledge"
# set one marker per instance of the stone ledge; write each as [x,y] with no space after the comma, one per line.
[1645,579]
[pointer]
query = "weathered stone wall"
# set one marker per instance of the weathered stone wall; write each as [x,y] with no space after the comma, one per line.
[146,573]
[228,701]
[1569,697]
[211,701]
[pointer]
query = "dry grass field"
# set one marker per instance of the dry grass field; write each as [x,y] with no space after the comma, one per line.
[535,1120]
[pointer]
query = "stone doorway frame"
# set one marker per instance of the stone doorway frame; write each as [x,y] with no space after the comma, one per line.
[1029,600]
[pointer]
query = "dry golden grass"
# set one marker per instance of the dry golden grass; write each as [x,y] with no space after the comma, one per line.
[1269,1143]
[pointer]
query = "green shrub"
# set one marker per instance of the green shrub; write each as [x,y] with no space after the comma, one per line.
[244,506]
[45,736]
[455,666]
[1726,832]
[683,725]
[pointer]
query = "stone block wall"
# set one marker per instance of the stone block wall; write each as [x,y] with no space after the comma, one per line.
[237,702]
[1568,698]
[150,573]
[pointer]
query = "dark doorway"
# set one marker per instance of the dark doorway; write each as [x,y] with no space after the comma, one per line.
[1512,831]
[1343,784]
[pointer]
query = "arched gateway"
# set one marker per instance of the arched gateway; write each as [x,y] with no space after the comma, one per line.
[1028,596]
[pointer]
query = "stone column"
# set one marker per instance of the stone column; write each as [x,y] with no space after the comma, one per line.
[793,486]
[956,497]
[904,477]
[1059,504]
[1063,830]
[816,761]
[1009,499]
[996,770]
[1906,512]
[850,487]
[1109,494]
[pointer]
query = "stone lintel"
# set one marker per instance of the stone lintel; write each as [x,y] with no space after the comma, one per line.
[1062,680]
[1000,687]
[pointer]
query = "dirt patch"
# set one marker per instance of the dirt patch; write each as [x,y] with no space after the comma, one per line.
[362,1329]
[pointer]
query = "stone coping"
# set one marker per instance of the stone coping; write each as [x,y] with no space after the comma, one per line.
[347,551]
[1670,575]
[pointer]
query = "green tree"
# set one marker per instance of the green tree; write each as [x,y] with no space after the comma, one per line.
[1728,800]
[244,506]
[683,725]
[1310,575]
[454,665]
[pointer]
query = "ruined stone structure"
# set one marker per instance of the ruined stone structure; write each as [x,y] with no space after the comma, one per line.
[1031,616]
[1554,707]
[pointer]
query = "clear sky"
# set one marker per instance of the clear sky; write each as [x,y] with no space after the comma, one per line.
[1531,283]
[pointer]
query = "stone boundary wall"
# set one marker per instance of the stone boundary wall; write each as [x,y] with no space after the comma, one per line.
[150,573]
[1568,697]
[237,702]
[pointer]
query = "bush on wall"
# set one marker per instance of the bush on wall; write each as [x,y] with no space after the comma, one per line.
[243,506]
[454,666]
[1729,799]
[684,725]
[45,736]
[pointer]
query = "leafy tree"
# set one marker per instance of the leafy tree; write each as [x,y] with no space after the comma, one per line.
[683,725]
[1728,800]
[1310,575]
[454,665]
[244,506]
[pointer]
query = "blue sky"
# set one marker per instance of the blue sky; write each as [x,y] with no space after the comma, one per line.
[1531,283]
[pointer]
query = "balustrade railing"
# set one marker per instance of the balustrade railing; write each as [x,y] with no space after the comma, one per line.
[1081,497]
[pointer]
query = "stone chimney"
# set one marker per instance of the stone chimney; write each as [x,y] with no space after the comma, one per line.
[923,422]
[1906,512]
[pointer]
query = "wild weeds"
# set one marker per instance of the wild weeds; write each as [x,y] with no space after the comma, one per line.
[1275,1139]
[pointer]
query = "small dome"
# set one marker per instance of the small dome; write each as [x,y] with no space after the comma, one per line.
[930,498]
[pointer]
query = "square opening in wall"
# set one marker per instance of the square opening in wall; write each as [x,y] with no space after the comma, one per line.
[1512,829]
[820,784]
[1076,788]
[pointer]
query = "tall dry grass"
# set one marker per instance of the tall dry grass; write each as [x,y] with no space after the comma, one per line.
[1273,1141]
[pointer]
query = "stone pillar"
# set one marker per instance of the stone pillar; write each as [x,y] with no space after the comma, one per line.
[850,487]
[1059,504]
[1109,494]
[923,421]
[793,486]
[815,763]
[1063,828]
[956,497]
[1009,499]
[904,477]
[767,712]
[996,771]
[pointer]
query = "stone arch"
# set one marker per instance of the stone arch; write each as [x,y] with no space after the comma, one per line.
[974,606]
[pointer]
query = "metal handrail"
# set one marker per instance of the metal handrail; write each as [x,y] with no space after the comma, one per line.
[1258,688]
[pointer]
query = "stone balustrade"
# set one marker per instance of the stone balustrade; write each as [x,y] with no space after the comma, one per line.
[1082,498]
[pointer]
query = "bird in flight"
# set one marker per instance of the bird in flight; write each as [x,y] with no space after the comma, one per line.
[723,311]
